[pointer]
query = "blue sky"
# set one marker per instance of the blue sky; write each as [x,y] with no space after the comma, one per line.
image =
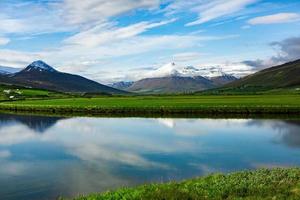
[123,39]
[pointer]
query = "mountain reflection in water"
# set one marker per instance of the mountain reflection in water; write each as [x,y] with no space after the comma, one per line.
[44,157]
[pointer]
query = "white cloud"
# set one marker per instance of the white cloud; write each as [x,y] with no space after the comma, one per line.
[17,59]
[113,49]
[4,41]
[105,33]
[187,56]
[208,10]
[275,19]
[97,42]
[11,25]
[32,17]
[95,11]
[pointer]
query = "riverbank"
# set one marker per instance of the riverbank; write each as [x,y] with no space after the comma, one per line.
[259,184]
[161,105]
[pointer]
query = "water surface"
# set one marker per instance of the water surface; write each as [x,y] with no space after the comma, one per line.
[45,157]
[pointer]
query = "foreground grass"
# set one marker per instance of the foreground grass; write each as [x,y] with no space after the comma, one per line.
[260,184]
[163,104]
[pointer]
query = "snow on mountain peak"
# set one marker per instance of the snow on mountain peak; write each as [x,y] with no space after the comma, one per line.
[171,69]
[165,71]
[40,66]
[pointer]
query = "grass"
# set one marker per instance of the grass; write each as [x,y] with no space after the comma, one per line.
[163,104]
[18,92]
[251,90]
[249,185]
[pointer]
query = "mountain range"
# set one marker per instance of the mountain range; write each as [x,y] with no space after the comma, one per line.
[281,77]
[40,75]
[164,80]
[173,79]
[121,85]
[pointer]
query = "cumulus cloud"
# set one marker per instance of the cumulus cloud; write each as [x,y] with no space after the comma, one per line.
[90,57]
[260,64]
[92,36]
[275,19]
[288,49]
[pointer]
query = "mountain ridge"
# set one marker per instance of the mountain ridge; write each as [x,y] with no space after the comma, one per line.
[171,84]
[42,76]
[284,77]
[173,79]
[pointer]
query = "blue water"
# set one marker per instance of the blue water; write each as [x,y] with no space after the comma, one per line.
[46,157]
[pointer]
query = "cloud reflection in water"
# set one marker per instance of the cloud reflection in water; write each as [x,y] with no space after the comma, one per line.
[93,154]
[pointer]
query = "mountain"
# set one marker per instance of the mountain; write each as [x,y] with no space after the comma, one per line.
[122,85]
[171,78]
[171,84]
[8,70]
[190,71]
[282,76]
[173,69]
[39,124]
[167,70]
[40,75]
[223,79]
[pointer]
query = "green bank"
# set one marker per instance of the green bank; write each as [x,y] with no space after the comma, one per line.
[162,104]
[260,184]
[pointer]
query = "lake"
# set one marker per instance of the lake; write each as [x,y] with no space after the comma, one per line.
[46,157]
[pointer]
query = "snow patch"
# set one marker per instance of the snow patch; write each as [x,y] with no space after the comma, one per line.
[39,66]
[172,69]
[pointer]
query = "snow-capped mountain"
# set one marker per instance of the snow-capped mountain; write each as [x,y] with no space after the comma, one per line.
[190,71]
[167,70]
[39,66]
[40,75]
[172,78]
[172,69]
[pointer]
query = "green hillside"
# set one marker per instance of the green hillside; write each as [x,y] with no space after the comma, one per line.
[279,79]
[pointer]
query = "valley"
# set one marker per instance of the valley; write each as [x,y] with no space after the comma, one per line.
[161,105]
[149,100]
[162,95]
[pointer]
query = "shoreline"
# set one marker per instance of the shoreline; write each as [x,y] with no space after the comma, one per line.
[211,112]
[276,183]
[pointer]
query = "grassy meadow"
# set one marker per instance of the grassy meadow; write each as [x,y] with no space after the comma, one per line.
[251,185]
[12,93]
[162,104]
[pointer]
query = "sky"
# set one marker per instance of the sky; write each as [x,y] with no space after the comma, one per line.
[117,40]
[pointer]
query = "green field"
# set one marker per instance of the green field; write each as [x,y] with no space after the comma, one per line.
[163,104]
[251,185]
[10,92]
